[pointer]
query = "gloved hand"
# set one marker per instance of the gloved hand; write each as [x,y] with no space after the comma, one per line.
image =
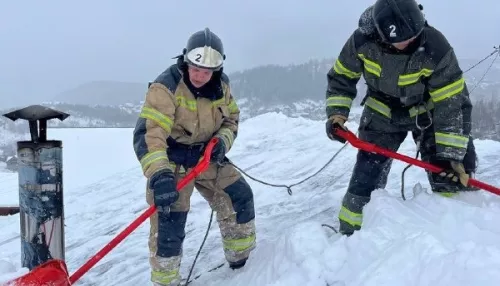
[333,122]
[456,175]
[218,152]
[164,189]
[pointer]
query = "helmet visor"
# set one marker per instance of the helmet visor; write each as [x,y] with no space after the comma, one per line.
[205,57]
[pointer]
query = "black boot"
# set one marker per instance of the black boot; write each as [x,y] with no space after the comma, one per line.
[238,264]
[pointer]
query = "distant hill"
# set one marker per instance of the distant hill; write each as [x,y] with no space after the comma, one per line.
[266,87]
[103,93]
[295,90]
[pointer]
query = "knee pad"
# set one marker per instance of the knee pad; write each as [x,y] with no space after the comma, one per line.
[241,196]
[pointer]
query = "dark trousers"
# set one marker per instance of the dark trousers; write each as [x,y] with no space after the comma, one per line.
[371,170]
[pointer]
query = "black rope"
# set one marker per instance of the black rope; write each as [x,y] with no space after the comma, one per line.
[330,227]
[486,72]
[419,141]
[199,250]
[403,176]
[497,50]
[289,187]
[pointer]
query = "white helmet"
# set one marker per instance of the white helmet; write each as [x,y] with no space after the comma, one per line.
[204,49]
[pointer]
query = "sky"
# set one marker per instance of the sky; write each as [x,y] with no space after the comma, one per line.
[51,46]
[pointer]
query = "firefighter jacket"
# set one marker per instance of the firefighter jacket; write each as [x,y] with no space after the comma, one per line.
[174,118]
[427,77]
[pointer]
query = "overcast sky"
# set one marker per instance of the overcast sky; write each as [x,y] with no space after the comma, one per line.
[50,46]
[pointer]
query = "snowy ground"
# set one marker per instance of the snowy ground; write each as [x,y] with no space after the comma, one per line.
[428,240]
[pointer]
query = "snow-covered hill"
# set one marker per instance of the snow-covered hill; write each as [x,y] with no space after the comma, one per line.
[426,240]
[295,90]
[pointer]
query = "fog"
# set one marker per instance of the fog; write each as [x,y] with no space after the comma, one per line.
[51,46]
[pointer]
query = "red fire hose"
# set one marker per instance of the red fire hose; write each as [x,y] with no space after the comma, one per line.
[369,147]
[54,272]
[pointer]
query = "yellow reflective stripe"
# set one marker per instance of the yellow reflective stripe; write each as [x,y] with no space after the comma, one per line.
[152,157]
[336,101]
[385,110]
[164,278]
[448,91]
[453,140]
[341,69]
[218,102]
[352,218]
[421,109]
[371,66]
[227,136]
[407,79]
[239,244]
[172,166]
[159,118]
[189,104]
[233,107]
[447,194]
[378,106]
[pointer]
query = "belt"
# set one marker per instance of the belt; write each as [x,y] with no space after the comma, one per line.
[186,155]
[176,145]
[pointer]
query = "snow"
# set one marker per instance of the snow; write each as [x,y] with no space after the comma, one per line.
[307,104]
[425,240]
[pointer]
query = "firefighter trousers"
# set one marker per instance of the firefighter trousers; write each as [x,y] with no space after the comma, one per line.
[229,195]
[371,170]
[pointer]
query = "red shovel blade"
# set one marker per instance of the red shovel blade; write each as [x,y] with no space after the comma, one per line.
[50,273]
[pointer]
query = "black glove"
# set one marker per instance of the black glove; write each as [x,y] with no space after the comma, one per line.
[164,189]
[335,121]
[218,152]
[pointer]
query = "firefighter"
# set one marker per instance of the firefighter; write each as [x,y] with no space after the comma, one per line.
[186,106]
[414,84]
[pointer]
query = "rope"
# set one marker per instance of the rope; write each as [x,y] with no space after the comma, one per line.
[330,227]
[289,187]
[497,50]
[403,175]
[487,70]
[199,250]
[418,143]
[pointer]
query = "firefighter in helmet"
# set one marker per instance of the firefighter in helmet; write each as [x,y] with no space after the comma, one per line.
[187,105]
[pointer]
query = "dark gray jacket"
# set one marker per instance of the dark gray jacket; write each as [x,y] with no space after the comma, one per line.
[428,74]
